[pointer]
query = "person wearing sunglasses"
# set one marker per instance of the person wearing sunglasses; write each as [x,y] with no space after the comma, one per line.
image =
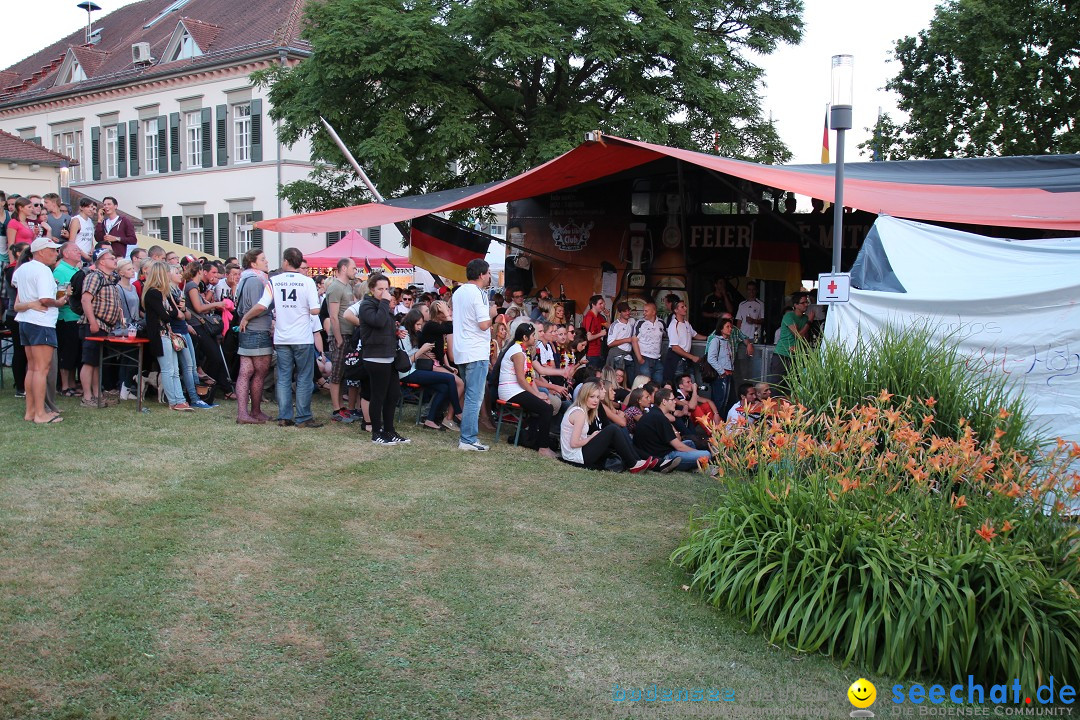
[793,329]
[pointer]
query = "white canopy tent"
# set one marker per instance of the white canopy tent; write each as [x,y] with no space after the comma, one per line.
[1013,305]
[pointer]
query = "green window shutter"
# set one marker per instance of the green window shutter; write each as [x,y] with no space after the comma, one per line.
[178,230]
[121,151]
[174,141]
[133,148]
[256,233]
[332,237]
[207,139]
[35,140]
[222,134]
[95,153]
[223,235]
[256,131]
[208,234]
[163,227]
[162,145]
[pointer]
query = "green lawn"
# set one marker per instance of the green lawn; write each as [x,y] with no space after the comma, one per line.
[182,566]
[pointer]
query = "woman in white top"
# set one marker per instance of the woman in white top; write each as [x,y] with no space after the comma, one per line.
[516,386]
[579,447]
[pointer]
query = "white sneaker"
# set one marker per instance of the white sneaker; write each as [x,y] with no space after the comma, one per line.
[472,446]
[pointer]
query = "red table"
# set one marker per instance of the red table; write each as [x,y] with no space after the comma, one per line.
[121,348]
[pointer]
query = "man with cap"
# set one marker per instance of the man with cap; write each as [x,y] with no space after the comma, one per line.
[36,304]
[102,311]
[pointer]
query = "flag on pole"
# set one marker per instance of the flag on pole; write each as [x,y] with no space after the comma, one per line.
[445,248]
[825,138]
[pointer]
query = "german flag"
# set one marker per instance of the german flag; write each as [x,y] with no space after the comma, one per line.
[776,260]
[445,248]
[388,266]
[825,139]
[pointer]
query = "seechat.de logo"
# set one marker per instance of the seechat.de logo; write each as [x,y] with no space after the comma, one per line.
[973,692]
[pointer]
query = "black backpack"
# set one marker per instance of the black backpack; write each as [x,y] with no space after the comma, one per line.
[75,297]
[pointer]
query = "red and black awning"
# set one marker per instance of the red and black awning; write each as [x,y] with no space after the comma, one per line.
[1032,192]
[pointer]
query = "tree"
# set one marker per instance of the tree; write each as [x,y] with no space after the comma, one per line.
[991,77]
[433,94]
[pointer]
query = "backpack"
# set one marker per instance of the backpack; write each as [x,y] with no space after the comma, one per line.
[75,296]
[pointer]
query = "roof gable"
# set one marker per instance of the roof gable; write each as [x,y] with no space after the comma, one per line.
[221,29]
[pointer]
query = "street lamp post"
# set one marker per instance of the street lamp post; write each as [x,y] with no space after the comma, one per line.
[840,120]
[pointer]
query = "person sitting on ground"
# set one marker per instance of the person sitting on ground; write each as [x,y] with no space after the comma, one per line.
[692,410]
[516,386]
[621,388]
[637,404]
[442,386]
[739,414]
[656,435]
[581,446]
[549,379]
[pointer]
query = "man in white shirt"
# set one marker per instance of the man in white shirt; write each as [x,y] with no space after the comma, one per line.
[472,325]
[681,336]
[740,411]
[36,305]
[650,334]
[751,314]
[295,299]
[622,345]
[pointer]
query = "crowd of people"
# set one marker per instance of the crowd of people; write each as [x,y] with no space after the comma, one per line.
[629,393]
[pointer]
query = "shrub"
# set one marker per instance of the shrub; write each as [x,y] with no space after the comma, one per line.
[912,362]
[877,540]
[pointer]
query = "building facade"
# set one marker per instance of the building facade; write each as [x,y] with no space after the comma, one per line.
[157,107]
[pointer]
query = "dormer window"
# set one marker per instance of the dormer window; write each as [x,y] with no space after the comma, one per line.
[186,48]
[70,71]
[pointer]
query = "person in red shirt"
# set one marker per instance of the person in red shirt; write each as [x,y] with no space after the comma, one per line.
[595,325]
[115,229]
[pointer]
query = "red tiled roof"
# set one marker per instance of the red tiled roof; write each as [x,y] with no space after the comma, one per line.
[90,58]
[230,29]
[15,149]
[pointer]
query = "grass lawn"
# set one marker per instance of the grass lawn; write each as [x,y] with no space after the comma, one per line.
[182,566]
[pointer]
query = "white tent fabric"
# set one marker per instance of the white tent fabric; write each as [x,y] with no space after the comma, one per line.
[1013,305]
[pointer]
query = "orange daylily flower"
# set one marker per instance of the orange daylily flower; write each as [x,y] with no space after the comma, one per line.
[998,433]
[1006,527]
[927,420]
[884,396]
[893,416]
[986,532]
[833,496]
[959,502]
[1003,414]
[930,401]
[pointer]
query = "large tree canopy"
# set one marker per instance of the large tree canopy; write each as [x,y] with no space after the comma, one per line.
[430,94]
[989,77]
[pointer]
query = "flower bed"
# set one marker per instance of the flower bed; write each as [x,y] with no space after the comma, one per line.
[879,534]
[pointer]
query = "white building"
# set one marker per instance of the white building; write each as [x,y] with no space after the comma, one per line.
[160,112]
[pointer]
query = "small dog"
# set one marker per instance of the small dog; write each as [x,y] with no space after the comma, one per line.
[154,379]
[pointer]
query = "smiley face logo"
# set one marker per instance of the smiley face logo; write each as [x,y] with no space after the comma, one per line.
[862,693]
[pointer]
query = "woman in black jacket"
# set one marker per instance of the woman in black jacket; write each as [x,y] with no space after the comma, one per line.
[378,333]
[161,310]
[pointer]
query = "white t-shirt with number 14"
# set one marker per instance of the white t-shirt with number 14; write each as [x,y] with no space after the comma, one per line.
[294,297]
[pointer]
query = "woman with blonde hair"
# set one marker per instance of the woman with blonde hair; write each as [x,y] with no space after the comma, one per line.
[161,312]
[557,314]
[588,449]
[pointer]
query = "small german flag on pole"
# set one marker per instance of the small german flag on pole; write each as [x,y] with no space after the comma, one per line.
[445,248]
[825,139]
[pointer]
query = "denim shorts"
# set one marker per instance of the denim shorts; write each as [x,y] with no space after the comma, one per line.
[31,334]
[255,344]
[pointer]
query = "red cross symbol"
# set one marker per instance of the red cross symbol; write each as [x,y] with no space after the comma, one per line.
[832,287]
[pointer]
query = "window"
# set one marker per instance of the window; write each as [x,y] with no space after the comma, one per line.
[195,233]
[111,154]
[185,48]
[153,227]
[193,123]
[242,223]
[70,144]
[242,133]
[150,145]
